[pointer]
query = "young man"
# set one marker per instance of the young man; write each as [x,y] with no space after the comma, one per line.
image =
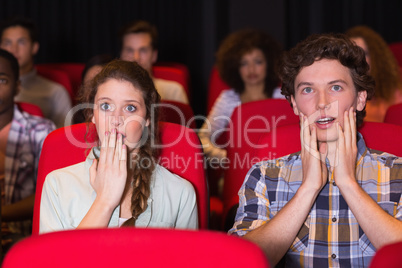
[139,43]
[335,202]
[18,36]
[21,139]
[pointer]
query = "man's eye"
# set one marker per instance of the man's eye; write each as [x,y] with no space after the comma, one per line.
[131,108]
[3,81]
[105,106]
[336,88]
[307,90]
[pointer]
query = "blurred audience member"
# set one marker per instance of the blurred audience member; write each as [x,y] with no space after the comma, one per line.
[246,61]
[383,67]
[21,139]
[139,42]
[19,37]
[93,66]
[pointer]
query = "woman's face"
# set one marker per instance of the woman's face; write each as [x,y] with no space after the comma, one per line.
[119,105]
[253,68]
[91,73]
[360,42]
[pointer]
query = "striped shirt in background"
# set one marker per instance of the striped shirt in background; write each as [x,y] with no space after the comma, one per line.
[24,145]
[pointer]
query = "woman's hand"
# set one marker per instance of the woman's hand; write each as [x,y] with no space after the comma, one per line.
[108,175]
[313,159]
[346,152]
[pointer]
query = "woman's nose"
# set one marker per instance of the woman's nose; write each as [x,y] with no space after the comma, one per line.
[116,120]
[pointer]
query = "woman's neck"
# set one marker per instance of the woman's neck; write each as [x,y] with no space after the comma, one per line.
[253,93]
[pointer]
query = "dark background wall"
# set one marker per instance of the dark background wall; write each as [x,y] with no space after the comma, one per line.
[191,30]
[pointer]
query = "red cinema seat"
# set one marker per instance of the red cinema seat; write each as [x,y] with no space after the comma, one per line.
[396,49]
[173,74]
[177,142]
[73,70]
[134,247]
[248,122]
[388,256]
[57,76]
[30,108]
[215,87]
[176,112]
[394,114]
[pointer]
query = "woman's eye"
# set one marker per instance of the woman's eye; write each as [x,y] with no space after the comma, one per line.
[131,108]
[336,88]
[105,106]
[307,90]
[3,81]
[260,61]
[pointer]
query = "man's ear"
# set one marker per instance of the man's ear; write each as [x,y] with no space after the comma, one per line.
[294,106]
[35,48]
[361,100]
[154,56]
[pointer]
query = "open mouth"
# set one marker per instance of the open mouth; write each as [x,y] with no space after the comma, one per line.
[325,120]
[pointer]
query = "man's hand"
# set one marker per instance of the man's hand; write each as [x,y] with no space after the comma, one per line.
[313,159]
[345,157]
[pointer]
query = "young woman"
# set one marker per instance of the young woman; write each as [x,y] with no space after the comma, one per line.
[246,61]
[383,67]
[119,183]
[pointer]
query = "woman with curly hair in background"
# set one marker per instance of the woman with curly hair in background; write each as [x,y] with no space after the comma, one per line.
[383,67]
[246,61]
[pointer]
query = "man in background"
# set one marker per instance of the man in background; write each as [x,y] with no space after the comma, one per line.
[21,140]
[139,43]
[19,37]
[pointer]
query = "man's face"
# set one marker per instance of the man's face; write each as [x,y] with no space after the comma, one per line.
[8,86]
[323,92]
[17,41]
[137,47]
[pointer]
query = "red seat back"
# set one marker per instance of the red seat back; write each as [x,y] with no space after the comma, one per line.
[180,153]
[173,74]
[215,87]
[394,114]
[134,247]
[73,70]
[396,49]
[383,137]
[177,112]
[388,256]
[248,122]
[57,76]
[30,108]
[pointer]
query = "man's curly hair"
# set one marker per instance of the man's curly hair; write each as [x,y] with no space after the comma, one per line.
[327,46]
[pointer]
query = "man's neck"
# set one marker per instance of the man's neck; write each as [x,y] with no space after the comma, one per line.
[26,69]
[331,151]
[6,117]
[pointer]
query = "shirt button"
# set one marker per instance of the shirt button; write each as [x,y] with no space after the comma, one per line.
[333,183]
[333,256]
[333,219]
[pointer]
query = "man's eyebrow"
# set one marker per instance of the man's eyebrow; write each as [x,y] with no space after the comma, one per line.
[304,84]
[337,82]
